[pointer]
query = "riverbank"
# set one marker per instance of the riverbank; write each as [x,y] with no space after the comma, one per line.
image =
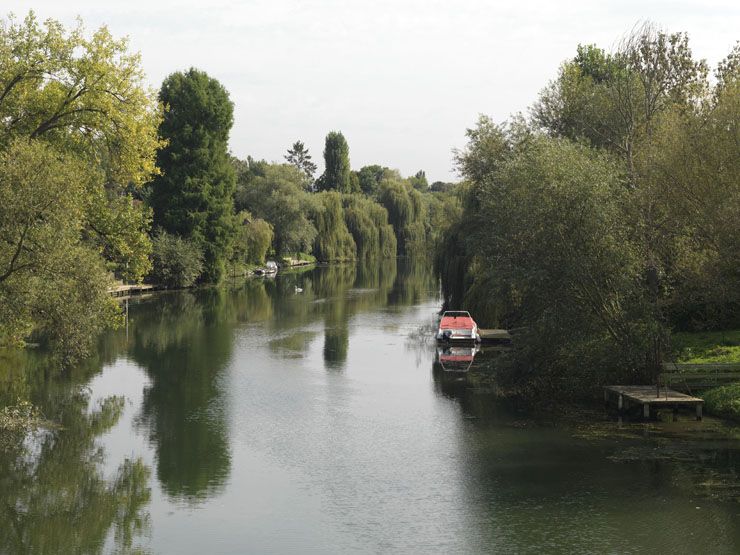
[718,348]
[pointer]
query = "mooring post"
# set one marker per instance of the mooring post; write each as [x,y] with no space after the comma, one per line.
[646,410]
[698,411]
[620,402]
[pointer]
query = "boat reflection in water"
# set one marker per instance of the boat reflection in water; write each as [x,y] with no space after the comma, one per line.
[456,358]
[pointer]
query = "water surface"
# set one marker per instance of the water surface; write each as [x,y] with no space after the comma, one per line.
[257,418]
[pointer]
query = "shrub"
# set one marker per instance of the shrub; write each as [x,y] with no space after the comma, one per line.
[724,401]
[177,262]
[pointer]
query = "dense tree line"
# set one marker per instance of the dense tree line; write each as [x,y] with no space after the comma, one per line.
[606,220]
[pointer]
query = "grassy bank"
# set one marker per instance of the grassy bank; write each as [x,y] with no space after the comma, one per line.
[723,401]
[707,348]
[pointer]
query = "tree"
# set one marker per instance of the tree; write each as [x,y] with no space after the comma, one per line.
[78,134]
[193,197]
[367,221]
[419,181]
[85,97]
[333,239]
[177,262]
[336,174]
[442,187]
[614,100]
[370,178]
[279,198]
[406,213]
[299,157]
[546,246]
[253,240]
[44,260]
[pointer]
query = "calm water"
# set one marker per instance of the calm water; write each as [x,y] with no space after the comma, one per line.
[260,419]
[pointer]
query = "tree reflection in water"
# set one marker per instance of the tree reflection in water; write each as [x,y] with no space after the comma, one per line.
[184,345]
[55,497]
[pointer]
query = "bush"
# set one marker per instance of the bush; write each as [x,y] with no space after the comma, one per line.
[177,262]
[724,401]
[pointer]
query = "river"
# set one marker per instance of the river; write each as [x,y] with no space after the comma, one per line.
[309,414]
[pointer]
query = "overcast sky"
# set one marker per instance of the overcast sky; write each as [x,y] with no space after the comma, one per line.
[402,79]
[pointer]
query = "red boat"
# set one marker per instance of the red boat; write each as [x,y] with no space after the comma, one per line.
[457,325]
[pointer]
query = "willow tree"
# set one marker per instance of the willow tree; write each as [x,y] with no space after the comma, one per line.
[74,109]
[367,221]
[333,239]
[278,197]
[193,197]
[544,244]
[407,214]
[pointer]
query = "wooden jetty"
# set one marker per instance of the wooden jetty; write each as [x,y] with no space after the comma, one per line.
[491,336]
[129,290]
[648,396]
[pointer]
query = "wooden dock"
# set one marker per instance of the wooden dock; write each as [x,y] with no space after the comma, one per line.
[129,290]
[490,336]
[648,396]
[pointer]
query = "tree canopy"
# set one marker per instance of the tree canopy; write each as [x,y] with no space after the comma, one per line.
[299,157]
[337,174]
[193,197]
[608,220]
[78,134]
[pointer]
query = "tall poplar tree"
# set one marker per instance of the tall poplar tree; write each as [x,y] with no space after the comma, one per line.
[337,175]
[193,196]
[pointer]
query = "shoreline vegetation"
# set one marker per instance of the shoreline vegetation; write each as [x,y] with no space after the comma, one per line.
[605,224]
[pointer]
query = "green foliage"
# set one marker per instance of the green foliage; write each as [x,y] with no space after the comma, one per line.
[253,239]
[299,157]
[406,213]
[723,401]
[337,175]
[194,196]
[613,100]
[545,247]
[441,187]
[278,197]
[598,250]
[79,134]
[369,178]
[443,210]
[333,239]
[177,262]
[367,221]
[419,181]
[707,347]
[86,97]
[44,259]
